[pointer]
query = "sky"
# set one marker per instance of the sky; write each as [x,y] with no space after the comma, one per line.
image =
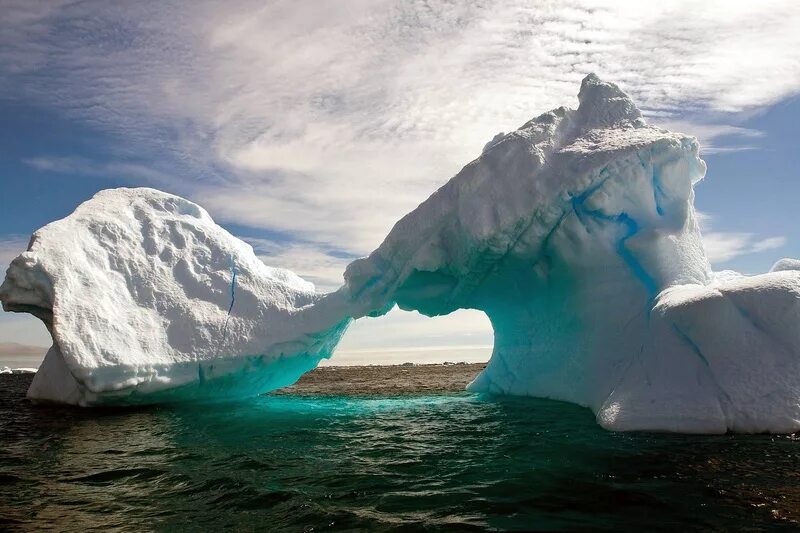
[308,128]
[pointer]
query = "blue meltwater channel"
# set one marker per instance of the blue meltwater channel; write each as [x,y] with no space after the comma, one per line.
[234,273]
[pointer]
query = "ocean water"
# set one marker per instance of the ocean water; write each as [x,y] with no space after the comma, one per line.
[455,462]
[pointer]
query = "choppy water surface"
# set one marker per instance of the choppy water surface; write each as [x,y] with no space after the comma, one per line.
[457,462]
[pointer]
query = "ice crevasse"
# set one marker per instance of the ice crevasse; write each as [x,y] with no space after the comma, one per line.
[575,234]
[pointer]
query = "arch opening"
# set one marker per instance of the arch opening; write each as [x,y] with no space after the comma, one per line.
[399,336]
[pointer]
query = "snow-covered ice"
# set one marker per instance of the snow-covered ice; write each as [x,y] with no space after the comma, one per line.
[135,288]
[575,234]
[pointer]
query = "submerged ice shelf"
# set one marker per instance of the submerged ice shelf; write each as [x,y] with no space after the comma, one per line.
[575,234]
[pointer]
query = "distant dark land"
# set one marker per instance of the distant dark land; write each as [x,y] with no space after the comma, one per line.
[385,380]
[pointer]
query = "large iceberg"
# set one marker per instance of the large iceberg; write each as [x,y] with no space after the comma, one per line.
[137,290]
[575,234]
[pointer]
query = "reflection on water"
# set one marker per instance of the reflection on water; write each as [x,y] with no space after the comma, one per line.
[456,462]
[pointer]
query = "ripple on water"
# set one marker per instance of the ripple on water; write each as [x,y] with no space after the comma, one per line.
[457,462]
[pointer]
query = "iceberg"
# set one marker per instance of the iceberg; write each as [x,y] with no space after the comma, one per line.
[576,234]
[9,370]
[137,290]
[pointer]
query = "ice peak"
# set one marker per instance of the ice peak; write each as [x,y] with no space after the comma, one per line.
[605,105]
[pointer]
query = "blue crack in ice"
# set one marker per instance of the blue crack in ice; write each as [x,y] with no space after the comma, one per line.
[693,345]
[631,229]
[234,271]
[658,193]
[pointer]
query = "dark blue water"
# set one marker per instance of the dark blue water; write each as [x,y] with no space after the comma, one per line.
[457,462]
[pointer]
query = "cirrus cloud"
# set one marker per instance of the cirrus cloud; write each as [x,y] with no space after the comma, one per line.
[327,121]
[330,120]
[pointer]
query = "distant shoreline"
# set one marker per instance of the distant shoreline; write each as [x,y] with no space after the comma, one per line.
[385,380]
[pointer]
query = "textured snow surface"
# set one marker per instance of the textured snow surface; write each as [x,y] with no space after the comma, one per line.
[135,288]
[575,234]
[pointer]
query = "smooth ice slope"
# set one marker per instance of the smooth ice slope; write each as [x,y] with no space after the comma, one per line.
[576,234]
[135,288]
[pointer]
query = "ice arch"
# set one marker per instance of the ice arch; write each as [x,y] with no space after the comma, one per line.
[401,336]
[575,234]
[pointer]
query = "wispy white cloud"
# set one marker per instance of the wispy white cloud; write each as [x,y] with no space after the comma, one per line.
[715,138]
[296,116]
[324,269]
[82,166]
[401,330]
[722,246]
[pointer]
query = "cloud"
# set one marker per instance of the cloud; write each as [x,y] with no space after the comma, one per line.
[324,269]
[403,331]
[723,246]
[82,166]
[714,138]
[329,122]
